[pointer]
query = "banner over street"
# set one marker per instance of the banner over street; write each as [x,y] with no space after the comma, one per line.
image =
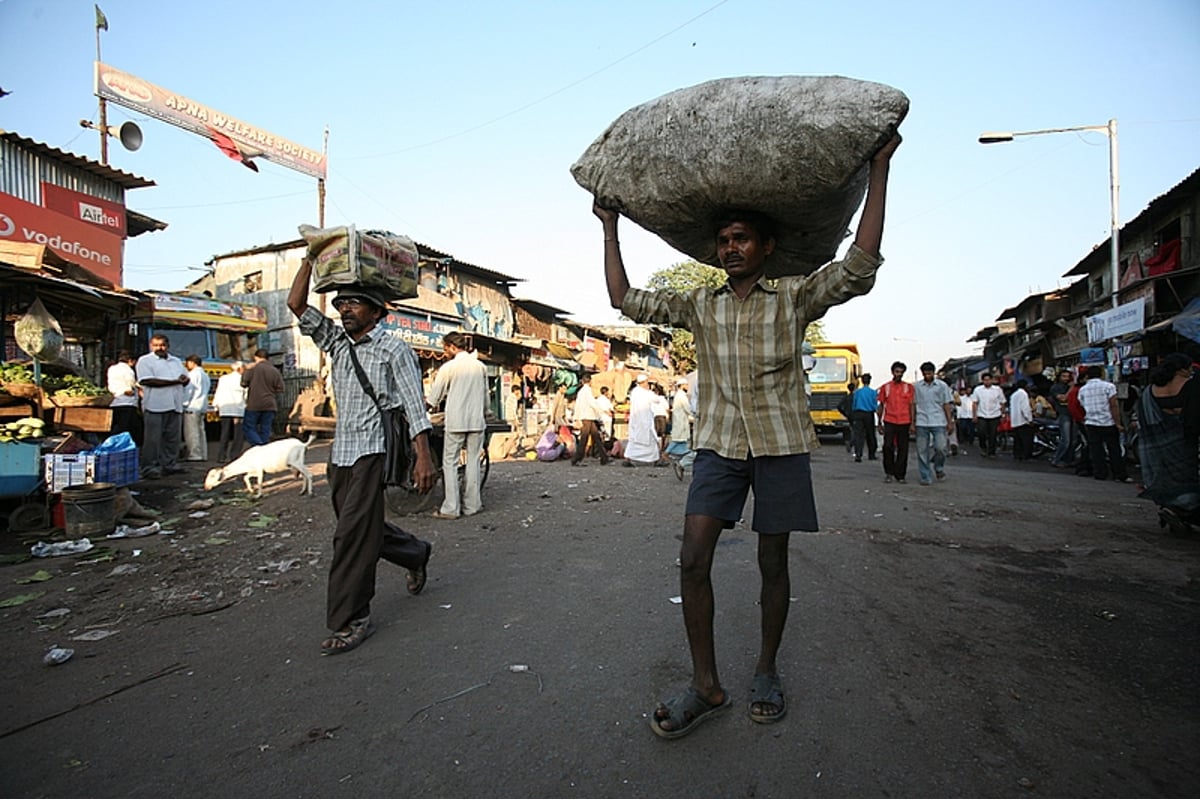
[134,93]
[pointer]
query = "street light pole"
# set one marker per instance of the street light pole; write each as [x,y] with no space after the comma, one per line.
[1110,130]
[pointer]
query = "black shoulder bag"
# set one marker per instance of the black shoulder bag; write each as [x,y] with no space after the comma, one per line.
[399,457]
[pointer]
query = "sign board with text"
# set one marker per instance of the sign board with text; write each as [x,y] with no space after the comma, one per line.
[105,214]
[81,243]
[166,106]
[1120,321]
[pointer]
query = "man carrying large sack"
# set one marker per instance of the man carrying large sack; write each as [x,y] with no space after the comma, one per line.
[754,430]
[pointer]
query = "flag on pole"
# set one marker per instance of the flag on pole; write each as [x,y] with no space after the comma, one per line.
[230,147]
[101,20]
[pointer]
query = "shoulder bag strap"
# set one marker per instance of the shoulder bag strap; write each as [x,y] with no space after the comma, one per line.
[362,378]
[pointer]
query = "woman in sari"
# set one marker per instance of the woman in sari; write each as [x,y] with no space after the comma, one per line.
[1168,432]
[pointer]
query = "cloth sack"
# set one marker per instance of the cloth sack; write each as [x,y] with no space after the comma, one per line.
[795,148]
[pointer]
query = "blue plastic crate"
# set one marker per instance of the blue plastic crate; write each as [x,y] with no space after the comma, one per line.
[118,468]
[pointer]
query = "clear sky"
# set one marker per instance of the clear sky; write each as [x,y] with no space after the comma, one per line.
[456,123]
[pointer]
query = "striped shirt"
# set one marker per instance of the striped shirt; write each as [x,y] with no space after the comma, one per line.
[748,352]
[392,369]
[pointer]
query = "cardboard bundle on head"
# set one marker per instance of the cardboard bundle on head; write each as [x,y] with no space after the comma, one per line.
[342,256]
[794,148]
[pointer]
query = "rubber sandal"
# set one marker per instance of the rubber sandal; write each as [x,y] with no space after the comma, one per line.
[417,577]
[767,689]
[352,637]
[687,710]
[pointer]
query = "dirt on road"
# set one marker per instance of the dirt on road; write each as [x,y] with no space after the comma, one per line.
[1013,631]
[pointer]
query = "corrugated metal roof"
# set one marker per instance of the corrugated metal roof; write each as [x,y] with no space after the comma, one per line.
[124,179]
[136,224]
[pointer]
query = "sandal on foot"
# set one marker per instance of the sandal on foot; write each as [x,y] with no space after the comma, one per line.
[767,689]
[352,637]
[685,712]
[417,577]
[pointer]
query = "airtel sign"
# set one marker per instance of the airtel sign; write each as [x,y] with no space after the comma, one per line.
[86,208]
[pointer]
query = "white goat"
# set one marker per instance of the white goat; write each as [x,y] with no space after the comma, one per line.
[287,454]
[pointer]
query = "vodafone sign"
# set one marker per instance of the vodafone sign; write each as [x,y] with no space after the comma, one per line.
[81,243]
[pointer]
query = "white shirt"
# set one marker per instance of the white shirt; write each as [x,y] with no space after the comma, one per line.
[603,410]
[161,399]
[585,404]
[989,401]
[196,391]
[121,379]
[681,416]
[1019,410]
[966,404]
[230,399]
[462,381]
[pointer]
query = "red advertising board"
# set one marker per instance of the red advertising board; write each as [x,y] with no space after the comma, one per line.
[86,208]
[78,242]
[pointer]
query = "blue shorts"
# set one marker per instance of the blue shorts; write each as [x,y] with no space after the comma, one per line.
[783,494]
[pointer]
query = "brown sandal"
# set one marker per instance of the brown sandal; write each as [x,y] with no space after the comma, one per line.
[352,637]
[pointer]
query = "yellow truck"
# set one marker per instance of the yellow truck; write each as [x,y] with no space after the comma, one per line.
[835,366]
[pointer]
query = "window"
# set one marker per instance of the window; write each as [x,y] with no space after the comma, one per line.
[828,370]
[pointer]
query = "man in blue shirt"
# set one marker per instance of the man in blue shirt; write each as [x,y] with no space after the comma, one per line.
[862,419]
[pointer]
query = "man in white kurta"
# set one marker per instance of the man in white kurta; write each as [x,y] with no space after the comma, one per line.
[462,382]
[643,441]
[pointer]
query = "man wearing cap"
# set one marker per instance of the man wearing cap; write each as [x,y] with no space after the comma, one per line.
[462,382]
[356,458]
[587,413]
[754,430]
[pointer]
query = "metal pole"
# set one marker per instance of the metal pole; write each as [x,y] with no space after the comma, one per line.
[103,111]
[1114,189]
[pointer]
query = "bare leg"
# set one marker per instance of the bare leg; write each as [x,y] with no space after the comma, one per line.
[700,534]
[775,598]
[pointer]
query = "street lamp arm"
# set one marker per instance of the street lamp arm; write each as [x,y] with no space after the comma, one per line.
[996,137]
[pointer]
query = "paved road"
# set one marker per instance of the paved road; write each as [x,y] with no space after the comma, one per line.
[1010,632]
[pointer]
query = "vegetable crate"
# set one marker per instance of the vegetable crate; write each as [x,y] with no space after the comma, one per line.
[118,468]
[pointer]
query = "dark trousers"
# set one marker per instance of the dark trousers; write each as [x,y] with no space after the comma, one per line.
[257,427]
[1023,442]
[1101,439]
[361,538]
[125,420]
[966,432]
[895,449]
[589,438]
[987,434]
[160,442]
[231,439]
[862,428]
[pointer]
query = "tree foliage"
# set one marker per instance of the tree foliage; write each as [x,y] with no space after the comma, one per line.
[688,275]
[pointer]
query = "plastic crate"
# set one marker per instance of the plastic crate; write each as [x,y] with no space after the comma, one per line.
[118,468]
[69,470]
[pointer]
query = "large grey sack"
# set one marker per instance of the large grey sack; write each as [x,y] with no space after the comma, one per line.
[793,147]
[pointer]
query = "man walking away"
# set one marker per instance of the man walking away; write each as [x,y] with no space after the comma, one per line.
[1020,416]
[230,402]
[263,383]
[162,378]
[934,419]
[356,458]
[195,409]
[588,416]
[895,421]
[1102,420]
[753,431]
[863,405]
[462,382]
[989,407]
[122,384]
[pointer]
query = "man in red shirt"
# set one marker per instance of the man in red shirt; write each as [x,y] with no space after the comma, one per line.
[896,418]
